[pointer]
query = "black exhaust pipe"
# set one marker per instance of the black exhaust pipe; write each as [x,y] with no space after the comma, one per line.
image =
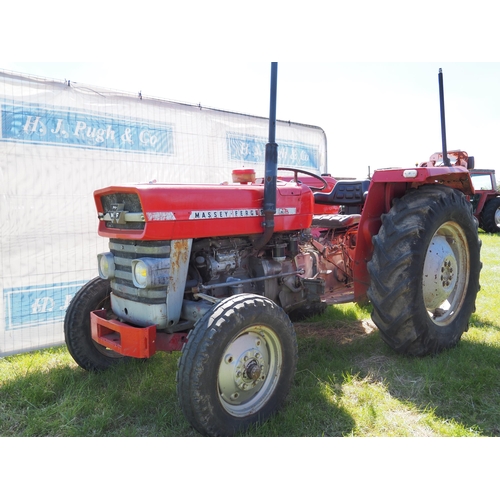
[271,166]
[446,160]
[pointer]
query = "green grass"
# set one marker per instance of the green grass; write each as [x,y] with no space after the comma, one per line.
[348,383]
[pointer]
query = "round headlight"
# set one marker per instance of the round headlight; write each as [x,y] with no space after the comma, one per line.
[106,265]
[140,273]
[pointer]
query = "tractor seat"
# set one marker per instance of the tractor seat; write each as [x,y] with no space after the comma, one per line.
[348,193]
[335,221]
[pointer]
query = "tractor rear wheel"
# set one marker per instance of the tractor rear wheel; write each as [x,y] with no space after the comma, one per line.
[490,218]
[425,271]
[87,353]
[237,366]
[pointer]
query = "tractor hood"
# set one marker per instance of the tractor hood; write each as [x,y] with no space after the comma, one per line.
[167,212]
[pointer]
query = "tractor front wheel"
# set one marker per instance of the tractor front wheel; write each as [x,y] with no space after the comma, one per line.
[237,366]
[425,271]
[88,354]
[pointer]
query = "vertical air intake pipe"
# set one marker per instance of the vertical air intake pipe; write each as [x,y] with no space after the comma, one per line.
[446,160]
[271,168]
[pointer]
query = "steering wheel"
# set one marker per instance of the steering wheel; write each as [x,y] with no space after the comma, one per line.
[306,172]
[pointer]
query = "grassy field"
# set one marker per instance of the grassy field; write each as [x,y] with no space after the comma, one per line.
[348,383]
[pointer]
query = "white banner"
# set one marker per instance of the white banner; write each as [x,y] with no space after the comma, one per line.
[60,141]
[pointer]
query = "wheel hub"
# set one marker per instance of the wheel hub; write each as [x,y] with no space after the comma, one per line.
[253,371]
[440,272]
[249,369]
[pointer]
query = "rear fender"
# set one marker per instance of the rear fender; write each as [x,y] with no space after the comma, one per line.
[386,185]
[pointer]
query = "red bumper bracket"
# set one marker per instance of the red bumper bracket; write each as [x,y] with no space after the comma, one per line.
[122,338]
[132,341]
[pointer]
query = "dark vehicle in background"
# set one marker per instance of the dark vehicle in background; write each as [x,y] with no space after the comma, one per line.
[486,200]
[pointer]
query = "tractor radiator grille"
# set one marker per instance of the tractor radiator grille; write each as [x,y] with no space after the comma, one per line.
[124,252]
[130,203]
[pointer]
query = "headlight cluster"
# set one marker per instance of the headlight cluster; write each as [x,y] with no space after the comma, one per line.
[146,272]
[140,273]
[106,265]
[150,273]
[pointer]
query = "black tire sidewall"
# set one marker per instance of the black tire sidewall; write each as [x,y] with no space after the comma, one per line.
[488,216]
[198,390]
[77,330]
[448,335]
[397,265]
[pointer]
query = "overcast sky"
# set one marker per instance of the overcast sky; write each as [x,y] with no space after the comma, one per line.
[374,114]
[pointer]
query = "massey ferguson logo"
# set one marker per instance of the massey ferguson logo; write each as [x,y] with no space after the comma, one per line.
[117,214]
[235,213]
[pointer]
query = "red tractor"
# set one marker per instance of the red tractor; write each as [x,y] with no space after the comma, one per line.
[217,270]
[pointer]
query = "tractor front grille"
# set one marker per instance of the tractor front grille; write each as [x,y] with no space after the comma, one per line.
[124,252]
[130,203]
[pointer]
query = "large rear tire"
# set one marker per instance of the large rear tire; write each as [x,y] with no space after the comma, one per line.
[425,271]
[237,366]
[87,353]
